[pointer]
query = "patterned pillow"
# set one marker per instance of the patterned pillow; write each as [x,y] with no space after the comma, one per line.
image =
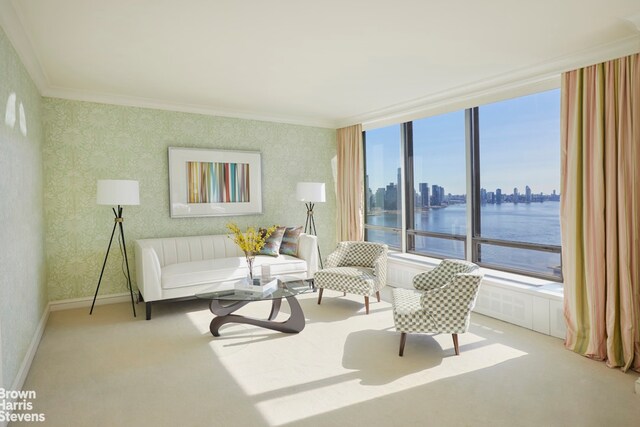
[272,245]
[290,241]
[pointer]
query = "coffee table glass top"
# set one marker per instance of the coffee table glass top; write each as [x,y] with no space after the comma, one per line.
[287,287]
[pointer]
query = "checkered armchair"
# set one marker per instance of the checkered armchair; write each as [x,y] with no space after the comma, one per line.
[440,303]
[355,267]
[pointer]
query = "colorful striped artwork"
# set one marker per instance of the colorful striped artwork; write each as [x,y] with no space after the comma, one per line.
[209,182]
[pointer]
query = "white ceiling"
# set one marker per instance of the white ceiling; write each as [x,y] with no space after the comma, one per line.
[323,62]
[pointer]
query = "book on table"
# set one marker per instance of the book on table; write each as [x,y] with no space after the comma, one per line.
[262,288]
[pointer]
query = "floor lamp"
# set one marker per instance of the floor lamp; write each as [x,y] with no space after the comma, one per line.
[119,193]
[311,193]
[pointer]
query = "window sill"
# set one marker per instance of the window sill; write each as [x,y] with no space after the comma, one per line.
[530,285]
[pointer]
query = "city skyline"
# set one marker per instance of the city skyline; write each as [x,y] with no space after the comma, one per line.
[388,197]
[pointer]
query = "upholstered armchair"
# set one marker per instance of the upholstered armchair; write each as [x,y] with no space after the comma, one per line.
[440,303]
[356,267]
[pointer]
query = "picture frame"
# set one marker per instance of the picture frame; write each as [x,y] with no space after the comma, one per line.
[211,182]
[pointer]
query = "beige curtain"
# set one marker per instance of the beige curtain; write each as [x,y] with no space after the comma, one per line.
[350,186]
[600,210]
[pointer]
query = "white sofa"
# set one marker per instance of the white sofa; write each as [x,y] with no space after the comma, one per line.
[177,267]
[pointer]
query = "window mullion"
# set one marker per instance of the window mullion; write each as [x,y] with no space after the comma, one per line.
[366,184]
[407,193]
[473,180]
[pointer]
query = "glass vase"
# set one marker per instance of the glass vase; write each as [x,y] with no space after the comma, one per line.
[250,259]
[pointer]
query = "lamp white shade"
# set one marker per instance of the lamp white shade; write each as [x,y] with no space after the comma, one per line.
[118,192]
[311,192]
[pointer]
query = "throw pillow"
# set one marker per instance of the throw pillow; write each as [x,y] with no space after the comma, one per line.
[290,241]
[272,245]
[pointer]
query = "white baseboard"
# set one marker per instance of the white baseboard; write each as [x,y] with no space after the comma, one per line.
[31,351]
[68,304]
[37,336]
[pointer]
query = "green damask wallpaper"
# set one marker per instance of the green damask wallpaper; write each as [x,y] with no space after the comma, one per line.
[23,292]
[85,142]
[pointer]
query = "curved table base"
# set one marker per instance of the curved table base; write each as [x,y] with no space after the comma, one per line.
[294,324]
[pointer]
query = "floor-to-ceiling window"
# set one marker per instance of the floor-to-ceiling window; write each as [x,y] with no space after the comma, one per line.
[438,224]
[508,155]
[383,186]
[519,224]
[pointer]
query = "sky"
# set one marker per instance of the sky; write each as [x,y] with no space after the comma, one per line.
[519,146]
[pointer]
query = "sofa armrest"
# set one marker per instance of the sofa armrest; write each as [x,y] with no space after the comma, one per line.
[428,280]
[308,251]
[148,271]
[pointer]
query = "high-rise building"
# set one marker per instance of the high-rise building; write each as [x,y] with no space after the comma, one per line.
[380,198]
[399,192]
[528,197]
[435,201]
[369,194]
[437,195]
[491,197]
[391,197]
[424,194]
[483,196]
[498,196]
[515,195]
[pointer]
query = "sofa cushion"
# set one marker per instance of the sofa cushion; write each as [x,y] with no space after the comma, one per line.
[355,280]
[290,241]
[281,265]
[272,244]
[226,269]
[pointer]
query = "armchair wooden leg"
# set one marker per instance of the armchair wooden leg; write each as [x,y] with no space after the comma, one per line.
[403,339]
[378,295]
[344,294]
[455,344]
[366,304]
[320,295]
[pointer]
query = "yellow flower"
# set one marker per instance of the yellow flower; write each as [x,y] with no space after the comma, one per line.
[252,240]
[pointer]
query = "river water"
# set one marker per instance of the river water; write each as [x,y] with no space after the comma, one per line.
[522,222]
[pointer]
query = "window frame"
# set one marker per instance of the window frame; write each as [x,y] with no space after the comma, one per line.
[411,231]
[473,238]
[396,230]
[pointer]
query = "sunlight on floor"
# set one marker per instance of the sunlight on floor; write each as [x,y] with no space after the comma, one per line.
[351,390]
[336,363]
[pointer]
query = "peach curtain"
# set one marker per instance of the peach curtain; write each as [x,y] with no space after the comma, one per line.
[350,187]
[600,214]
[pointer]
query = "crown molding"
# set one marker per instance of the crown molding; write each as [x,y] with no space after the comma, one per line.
[133,101]
[634,20]
[11,22]
[540,76]
[519,81]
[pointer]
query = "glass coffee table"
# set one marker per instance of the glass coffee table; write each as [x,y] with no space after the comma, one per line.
[223,303]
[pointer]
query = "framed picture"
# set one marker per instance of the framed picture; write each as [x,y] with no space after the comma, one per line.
[205,182]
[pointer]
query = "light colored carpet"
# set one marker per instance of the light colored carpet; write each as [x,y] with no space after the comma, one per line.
[343,369]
